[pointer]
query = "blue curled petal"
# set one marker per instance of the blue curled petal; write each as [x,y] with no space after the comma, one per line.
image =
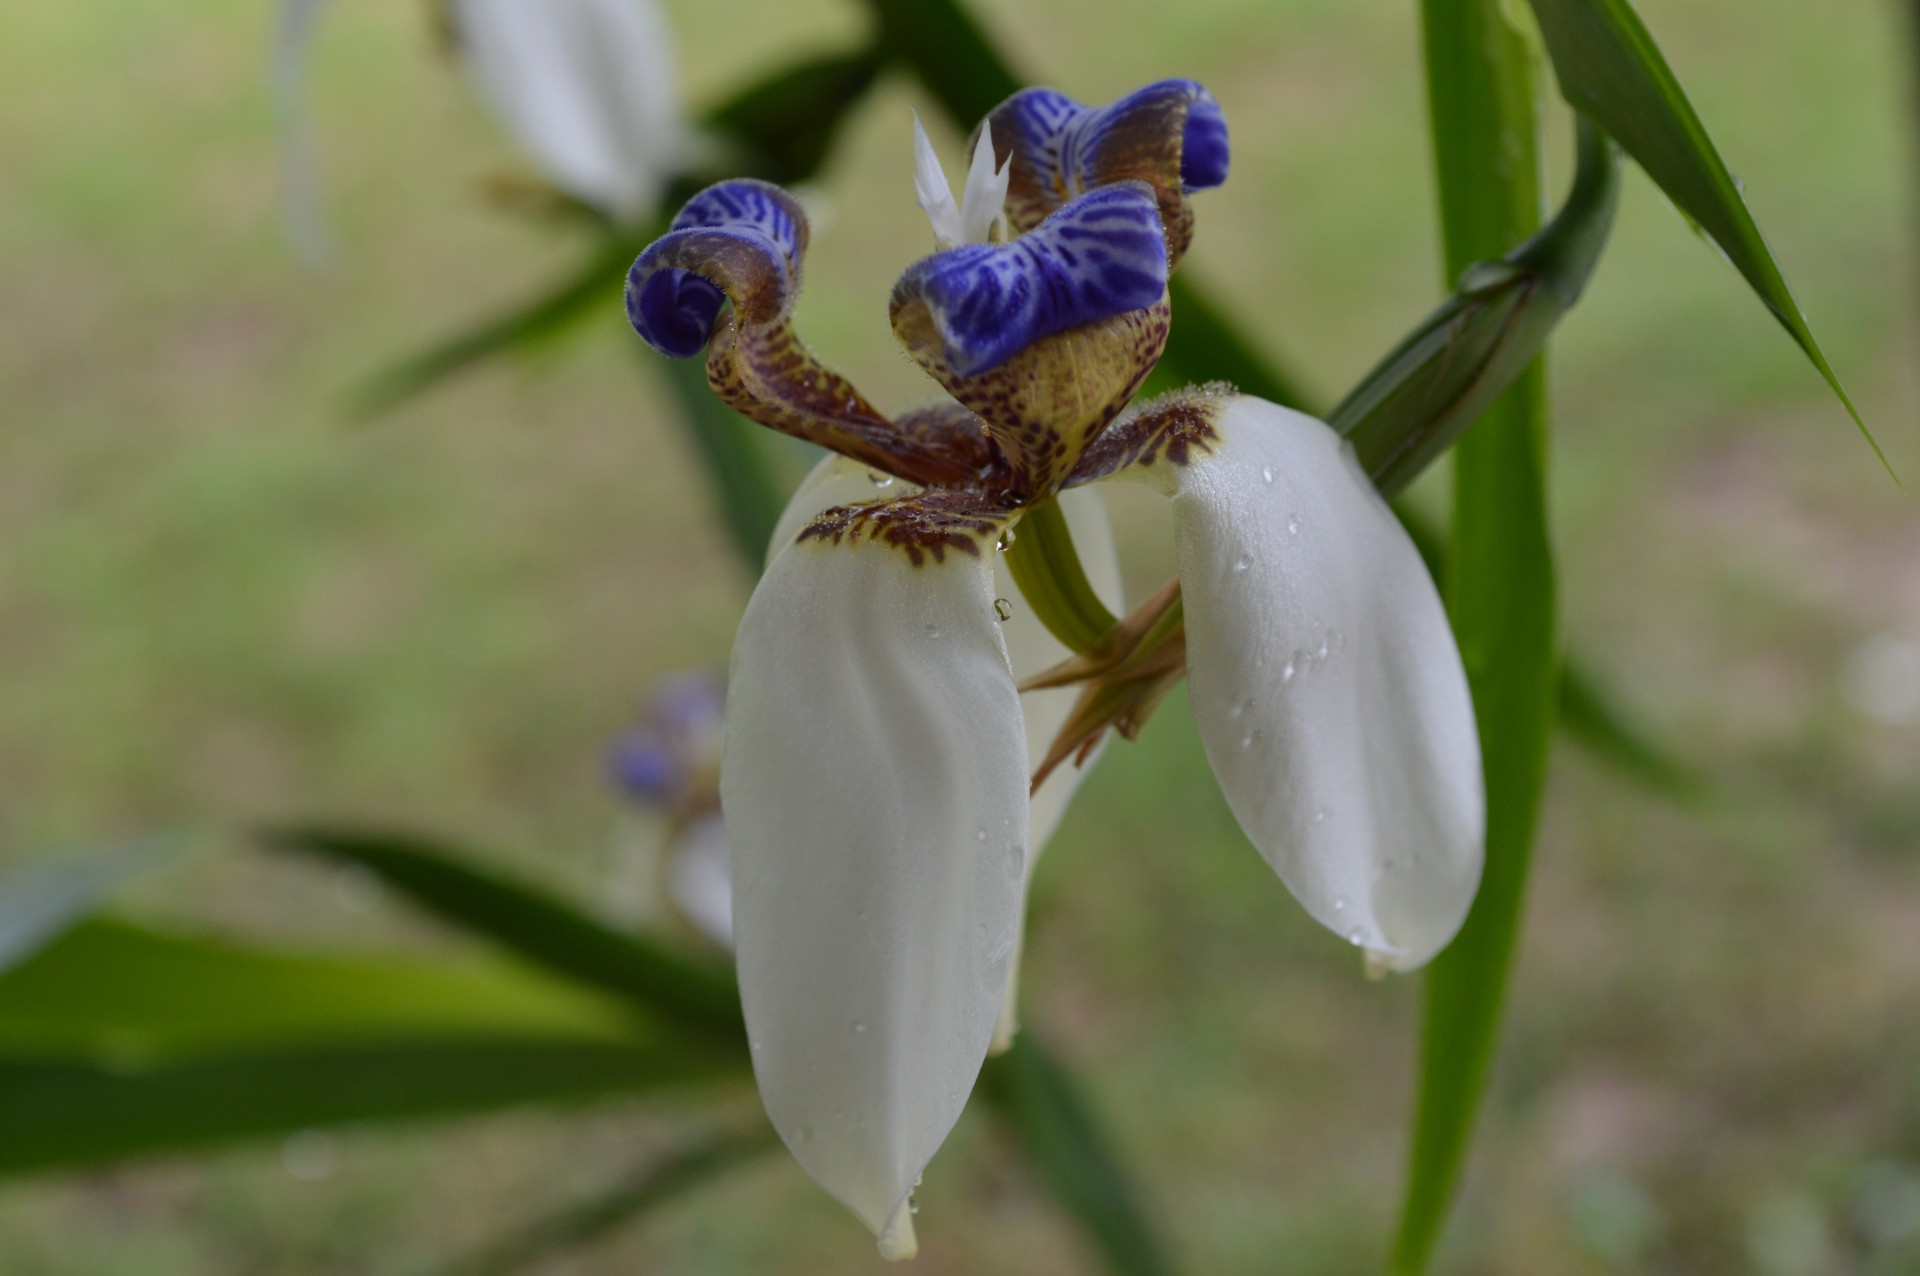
[1172,130]
[1098,256]
[1204,152]
[746,204]
[739,241]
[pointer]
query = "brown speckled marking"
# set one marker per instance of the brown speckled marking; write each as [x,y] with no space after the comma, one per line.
[1175,426]
[765,373]
[925,525]
[1046,404]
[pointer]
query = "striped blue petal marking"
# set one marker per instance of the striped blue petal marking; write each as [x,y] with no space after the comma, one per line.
[673,307]
[1067,143]
[1097,256]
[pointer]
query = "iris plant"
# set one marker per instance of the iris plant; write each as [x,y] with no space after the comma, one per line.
[879,781]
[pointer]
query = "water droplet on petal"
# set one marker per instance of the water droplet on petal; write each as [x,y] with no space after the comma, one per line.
[1293,524]
[1287,671]
[913,1204]
[980,835]
[1356,937]
[1016,860]
[1339,903]
[879,479]
[1266,472]
[1241,563]
[933,631]
[1005,542]
[1320,815]
[1252,738]
[1002,609]
[1376,965]
[1321,653]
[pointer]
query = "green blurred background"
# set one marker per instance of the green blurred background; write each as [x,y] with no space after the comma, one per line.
[221,600]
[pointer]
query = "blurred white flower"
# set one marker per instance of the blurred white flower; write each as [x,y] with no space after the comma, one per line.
[1880,678]
[586,88]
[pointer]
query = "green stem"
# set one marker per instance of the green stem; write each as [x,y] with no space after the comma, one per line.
[1042,560]
[1482,94]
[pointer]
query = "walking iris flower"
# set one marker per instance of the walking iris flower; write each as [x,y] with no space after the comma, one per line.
[876,772]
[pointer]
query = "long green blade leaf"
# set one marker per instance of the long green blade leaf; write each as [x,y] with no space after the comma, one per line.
[1043,1106]
[624,1203]
[108,989]
[1500,590]
[55,1115]
[537,926]
[1610,69]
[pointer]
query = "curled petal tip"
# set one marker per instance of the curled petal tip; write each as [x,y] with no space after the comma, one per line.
[1204,152]
[673,310]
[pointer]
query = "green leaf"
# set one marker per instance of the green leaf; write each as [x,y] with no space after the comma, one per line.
[1044,564]
[624,1203]
[39,900]
[55,1115]
[786,124]
[1610,69]
[1500,591]
[536,926]
[746,482]
[1419,398]
[595,284]
[112,991]
[939,41]
[1042,1105]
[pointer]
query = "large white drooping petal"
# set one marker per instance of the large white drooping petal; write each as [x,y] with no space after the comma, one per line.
[1030,646]
[874,786]
[1325,680]
[586,87]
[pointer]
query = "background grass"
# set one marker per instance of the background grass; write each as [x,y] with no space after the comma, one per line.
[220,601]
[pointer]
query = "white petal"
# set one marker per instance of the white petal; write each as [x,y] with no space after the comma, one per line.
[1325,680]
[874,786]
[1030,646]
[984,199]
[699,881]
[300,169]
[1033,648]
[587,89]
[931,192]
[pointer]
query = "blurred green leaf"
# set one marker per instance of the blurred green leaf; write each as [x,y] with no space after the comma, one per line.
[1042,1105]
[948,52]
[40,899]
[538,927]
[785,125]
[55,1115]
[782,127]
[1419,398]
[1500,590]
[109,990]
[581,1224]
[1610,69]
[747,485]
